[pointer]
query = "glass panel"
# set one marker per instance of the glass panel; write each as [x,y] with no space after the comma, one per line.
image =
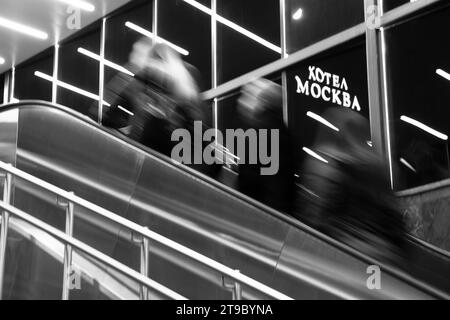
[189,29]
[239,52]
[28,85]
[120,38]
[79,70]
[418,86]
[33,264]
[308,21]
[336,79]
[391,4]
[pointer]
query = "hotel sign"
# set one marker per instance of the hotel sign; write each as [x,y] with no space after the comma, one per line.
[327,87]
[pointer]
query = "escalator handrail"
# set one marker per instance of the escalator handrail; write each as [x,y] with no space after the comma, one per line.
[145,232]
[234,193]
[81,246]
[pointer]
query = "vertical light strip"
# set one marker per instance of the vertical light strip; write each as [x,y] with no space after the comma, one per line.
[101,71]
[385,96]
[214,62]
[283,28]
[155,21]
[13,80]
[55,74]
[6,88]
[284,80]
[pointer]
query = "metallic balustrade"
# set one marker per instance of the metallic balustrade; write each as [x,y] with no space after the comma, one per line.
[145,233]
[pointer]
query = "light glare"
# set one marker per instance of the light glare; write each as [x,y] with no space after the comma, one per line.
[15,26]
[424,127]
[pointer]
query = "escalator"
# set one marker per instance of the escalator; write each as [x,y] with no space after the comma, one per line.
[71,151]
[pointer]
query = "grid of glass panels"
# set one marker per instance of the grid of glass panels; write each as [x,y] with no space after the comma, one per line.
[225,39]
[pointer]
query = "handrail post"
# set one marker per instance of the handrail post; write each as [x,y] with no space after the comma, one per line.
[143,292]
[235,288]
[67,249]
[4,227]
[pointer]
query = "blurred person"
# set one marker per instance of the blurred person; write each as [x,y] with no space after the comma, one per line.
[349,196]
[260,107]
[163,95]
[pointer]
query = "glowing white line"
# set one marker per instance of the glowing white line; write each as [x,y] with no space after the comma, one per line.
[15,100]
[424,127]
[69,87]
[386,101]
[106,62]
[15,26]
[298,14]
[315,155]
[407,164]
[2,60]
[234,26]
[322,120]
[443,74]
[83,5]
[369,143]
[152,36]
[125,110]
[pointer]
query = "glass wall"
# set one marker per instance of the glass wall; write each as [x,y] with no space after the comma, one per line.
[79,70]
[245,40]
[335,79]
[189,29]
[28,85]
[392,4]
[418,69]
[308,21]
[416,66]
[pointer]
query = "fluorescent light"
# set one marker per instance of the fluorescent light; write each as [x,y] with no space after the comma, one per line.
[298,14]
[443,74]
[147,33]
[321,120]
[235,26]
[424,127]
[314,154]
[83,5]
[369,143]
[125,110]
[12,25]
[106,62]
[69,87]
[407,164]
[2,61]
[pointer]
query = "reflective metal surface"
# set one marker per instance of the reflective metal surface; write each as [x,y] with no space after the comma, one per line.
[72,152]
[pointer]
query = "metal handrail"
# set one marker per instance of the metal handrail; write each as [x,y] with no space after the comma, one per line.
[90,251]
[146,233]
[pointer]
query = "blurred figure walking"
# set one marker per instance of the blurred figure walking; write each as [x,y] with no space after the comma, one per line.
[161,96]
[260,107]
[348,197]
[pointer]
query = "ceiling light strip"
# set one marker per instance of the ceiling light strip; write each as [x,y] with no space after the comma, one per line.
[443,74]
[105,62]
[147,33]
[15,26]
[322,120]
[235,26]
[424,127]
[314,154]
[69,87]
